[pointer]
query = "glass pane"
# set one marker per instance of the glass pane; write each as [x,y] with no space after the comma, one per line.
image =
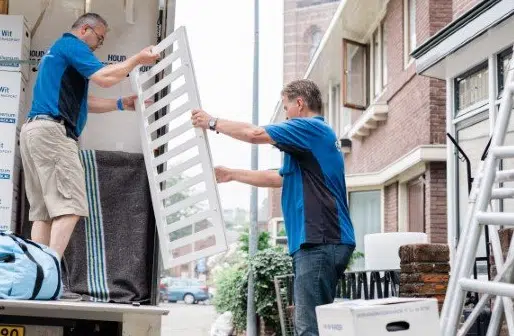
[365,213]
[355,75]
[376,64]
[472,88]
[503,64]
[472,140]
[384,56]
[412,25]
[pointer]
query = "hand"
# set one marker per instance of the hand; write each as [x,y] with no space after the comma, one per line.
[223,174]
[200,119]
[129,102]
[147,57]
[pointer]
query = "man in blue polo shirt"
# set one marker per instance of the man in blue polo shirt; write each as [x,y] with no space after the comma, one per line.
[319,230]
[54,176]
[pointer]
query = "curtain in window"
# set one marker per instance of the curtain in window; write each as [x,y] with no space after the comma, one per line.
[365,212]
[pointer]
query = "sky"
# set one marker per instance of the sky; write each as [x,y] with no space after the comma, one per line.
[221,39]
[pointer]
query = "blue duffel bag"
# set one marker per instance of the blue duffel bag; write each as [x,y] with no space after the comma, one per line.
[28,270]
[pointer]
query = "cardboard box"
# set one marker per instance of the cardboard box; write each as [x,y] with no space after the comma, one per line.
[13,98]
[6,204]
[413,317]
[14,44]
[12,110]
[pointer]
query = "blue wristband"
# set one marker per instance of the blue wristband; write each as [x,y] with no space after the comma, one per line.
[119,103]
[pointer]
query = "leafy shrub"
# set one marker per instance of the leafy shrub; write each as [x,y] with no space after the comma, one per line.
[266,265]
[231,293]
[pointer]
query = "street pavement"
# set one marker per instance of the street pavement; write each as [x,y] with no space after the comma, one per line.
[188,320]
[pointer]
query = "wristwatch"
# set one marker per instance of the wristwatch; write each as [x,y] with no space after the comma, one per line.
[212,124]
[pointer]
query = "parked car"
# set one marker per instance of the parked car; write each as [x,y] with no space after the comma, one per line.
[184,289]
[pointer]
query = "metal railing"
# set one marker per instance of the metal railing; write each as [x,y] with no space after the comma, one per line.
[353,285]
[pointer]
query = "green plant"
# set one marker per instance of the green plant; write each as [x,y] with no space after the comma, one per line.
[267,264]
[262,243]
[355,255]
[231,293]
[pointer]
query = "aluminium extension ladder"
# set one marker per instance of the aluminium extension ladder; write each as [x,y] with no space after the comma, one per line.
[485,189]
[178,161]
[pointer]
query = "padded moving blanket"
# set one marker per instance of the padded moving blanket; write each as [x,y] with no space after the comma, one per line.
[110,254]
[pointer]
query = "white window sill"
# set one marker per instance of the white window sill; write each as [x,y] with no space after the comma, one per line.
[368,121]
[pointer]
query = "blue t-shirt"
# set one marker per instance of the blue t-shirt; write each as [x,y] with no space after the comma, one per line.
[61,87]
[314,199]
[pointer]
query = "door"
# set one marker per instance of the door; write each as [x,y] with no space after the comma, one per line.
[416,205]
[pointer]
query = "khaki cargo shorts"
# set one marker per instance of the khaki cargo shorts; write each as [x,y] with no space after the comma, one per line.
[54,176]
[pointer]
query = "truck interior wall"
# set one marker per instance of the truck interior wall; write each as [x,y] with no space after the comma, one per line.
[117,131]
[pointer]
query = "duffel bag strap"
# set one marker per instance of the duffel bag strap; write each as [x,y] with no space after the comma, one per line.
[58,289]
[39,270]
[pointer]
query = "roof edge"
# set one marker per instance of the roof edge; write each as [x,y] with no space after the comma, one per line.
[454,26]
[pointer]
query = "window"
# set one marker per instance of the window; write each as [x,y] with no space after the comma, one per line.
[409,28]
[315,41]
[360,62]
[384,54]
[365,212]
[355,87]
[503,63]
[377,80]
[471,88]
[379,60]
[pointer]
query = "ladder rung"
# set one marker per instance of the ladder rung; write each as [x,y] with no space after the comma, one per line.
[503,152]
[500,193]
[495,218]
[505,175]
[490,287]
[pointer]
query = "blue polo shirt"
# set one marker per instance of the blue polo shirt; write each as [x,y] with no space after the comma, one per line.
[61,87]
[314,199]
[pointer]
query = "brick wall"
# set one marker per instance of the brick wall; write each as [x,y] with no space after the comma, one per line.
[416,104]
[462,6]
[298,22]
[274,199]
[435,202]
[391,208]
[424,271]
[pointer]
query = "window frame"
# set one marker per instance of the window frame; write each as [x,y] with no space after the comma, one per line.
[474,70]
[500,57]
[409,45]
[366,75]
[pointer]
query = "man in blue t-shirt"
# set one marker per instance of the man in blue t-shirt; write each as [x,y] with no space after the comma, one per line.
[319,230]
[54,177]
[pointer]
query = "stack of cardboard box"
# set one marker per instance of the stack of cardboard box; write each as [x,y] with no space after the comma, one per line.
[14,72]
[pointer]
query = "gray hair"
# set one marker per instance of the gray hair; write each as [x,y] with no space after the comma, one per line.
[306,89]
[91,19]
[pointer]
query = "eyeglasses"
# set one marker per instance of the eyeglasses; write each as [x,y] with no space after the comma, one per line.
[99,37]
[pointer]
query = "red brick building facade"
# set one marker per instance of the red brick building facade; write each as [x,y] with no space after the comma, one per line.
[391,121]
[305,22]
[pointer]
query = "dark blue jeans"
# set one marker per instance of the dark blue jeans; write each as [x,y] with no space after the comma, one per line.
[316,271]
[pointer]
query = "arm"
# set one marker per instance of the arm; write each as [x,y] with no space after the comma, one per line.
[114,73]
[100,105]
[244,132]
[297,133]
[87,64]
[257,178]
